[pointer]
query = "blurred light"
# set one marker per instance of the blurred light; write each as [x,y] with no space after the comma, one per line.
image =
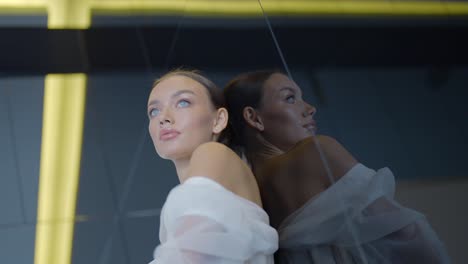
[62,136]
[62,133]
[279,7]
[249,8]
[23,6]
[68,14]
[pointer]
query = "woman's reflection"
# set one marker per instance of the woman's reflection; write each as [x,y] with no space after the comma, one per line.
[327,207]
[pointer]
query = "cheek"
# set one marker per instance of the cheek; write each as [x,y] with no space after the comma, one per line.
[152,129]
[292,116]
[283,118]
[285,127]
[200,124]
[197,126]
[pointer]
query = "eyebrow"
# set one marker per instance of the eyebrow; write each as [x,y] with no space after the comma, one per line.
[156,101]
[287,88]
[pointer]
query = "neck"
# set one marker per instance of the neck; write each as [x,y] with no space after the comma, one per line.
[260,150]
[182,166]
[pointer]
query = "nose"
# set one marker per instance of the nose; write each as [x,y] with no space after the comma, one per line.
[165,121]
[165,117]
[309,110]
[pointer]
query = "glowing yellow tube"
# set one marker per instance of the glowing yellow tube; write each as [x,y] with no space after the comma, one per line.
[20,7]
[62,132]
[249,8]
[69,14]
[280,7]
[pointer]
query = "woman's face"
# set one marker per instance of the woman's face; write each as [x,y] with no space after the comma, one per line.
[286,118]
[181,117]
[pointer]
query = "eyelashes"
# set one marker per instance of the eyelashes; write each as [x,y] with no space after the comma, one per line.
[182,103]
[291,99]
[153,112]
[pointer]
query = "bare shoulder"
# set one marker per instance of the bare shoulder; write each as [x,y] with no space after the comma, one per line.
[219,163]
[331,144]
[216,161]
[326,143]
[311,151]
[329,141]
[214,151]
[337,154]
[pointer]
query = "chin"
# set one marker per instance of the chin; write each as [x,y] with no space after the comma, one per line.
[165,154]
[171,153]
[162,154]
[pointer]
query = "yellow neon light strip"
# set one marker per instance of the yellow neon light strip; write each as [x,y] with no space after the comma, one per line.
[62,136]
[62,132]
[69,14]
[22,3]
[280,7]
[23,7]
[246,7]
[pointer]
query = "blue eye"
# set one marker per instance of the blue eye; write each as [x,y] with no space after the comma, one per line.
[183,103]
[153,112]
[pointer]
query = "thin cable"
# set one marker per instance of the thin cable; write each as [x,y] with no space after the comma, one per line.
[144,50]
[174,38]
[15,153]
[84,55]
[114,194]
[348,223]
[286,68]
[105,253]
[112,185]
[82,218]
[322,156]
[119,204]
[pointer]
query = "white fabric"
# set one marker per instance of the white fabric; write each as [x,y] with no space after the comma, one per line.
[362,204]
[202,222]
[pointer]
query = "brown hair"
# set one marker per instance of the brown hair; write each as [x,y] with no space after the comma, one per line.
[216,95]
[242,91]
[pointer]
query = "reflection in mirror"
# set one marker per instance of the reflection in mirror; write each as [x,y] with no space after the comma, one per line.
[372,226]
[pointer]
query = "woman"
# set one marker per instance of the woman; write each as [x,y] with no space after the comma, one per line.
[327,207]
[215,215]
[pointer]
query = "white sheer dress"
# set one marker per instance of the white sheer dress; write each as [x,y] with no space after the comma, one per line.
[203,222]
[357,220]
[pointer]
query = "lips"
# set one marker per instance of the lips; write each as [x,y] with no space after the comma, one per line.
[168,134]
[311,126]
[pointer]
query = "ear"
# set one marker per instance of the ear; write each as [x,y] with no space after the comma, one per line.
[221,121]
[252,118]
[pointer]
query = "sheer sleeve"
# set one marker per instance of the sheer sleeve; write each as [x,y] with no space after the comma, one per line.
[205,223]
[357,218]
